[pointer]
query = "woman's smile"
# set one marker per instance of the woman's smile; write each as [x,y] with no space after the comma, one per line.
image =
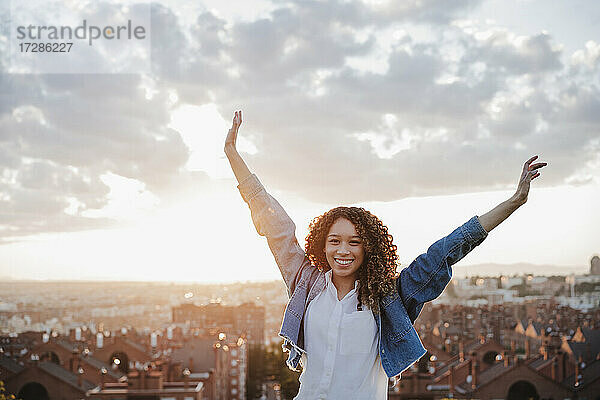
[343,261]
[344,249]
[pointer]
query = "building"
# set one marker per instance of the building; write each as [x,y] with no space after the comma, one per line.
[486,374]
[584,345]
[508,351]
[595,266]
[46,380]
[9,367]
[120,350]
[226,359]
[246,319]
[147,383]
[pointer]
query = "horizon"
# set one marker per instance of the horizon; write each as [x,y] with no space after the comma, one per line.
[457,269]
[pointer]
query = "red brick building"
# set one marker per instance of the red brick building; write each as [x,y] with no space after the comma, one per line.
[147,383]
[486,370]
[47,381]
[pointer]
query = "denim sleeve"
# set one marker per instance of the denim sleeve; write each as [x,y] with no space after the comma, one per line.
[271,221]
[427,276]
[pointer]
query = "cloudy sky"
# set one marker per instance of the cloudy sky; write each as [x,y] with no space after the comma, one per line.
[421,111]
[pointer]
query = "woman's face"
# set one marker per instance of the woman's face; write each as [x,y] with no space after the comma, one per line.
[344,248]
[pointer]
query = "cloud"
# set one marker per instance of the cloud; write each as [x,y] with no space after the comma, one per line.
[458,108]
[504,98]
[60,133]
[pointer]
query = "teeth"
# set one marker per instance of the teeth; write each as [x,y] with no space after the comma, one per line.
[343,262]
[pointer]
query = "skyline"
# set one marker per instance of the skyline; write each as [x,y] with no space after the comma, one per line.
[460,272]
[433,108]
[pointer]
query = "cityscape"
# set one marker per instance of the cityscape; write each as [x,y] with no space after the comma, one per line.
[514,337]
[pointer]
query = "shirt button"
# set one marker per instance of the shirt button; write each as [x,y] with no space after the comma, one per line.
[382,351]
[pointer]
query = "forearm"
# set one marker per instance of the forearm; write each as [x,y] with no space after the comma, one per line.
[494,217]
[239,167]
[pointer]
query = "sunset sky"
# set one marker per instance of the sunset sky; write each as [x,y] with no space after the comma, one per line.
[422,112]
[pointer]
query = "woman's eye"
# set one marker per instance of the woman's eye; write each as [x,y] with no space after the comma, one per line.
[355,242]
[334,241]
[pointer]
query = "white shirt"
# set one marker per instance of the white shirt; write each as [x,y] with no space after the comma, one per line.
[342,350]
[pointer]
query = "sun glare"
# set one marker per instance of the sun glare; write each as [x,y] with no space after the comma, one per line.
[203,129]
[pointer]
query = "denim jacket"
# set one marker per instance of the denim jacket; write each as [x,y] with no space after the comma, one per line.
[422,281]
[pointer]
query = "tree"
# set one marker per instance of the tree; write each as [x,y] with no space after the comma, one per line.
[3,394]
[256,371]
[267,363]
[287,378]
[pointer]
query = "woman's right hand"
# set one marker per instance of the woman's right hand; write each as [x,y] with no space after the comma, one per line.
[232,134]
[239,167]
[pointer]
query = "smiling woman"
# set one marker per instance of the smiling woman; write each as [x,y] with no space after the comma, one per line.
[349,320]
[340,239]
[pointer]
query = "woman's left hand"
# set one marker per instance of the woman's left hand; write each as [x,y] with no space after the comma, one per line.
[530,172]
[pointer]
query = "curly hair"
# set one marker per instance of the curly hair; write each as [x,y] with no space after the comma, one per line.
[378,269]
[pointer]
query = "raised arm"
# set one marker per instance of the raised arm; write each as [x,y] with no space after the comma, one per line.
[269,218]
[427,276]
[494,217]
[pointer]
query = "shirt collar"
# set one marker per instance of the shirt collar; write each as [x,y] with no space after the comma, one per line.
[331,286]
